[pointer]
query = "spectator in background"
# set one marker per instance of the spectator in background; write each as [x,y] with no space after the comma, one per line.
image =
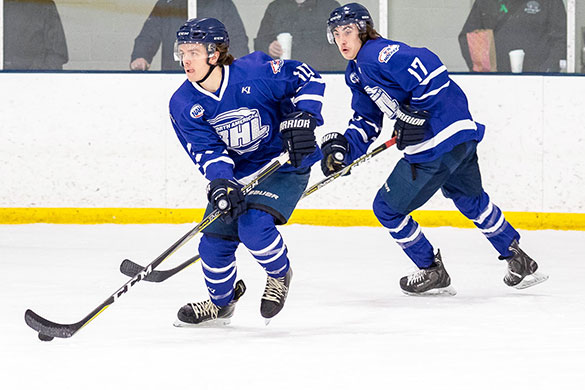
[33,36]
[303,19]
[537,27]
[166,18]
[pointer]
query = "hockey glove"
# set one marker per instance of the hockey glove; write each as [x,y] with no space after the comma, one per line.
[335,148]
[411,126]
[298,136]
[227,197]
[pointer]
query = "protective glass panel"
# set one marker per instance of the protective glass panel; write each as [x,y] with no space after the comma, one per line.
[478,35]
[117,35]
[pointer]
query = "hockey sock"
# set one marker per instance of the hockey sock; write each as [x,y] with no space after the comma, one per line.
[258,233]
[219,268]
[490,220]
[406,232]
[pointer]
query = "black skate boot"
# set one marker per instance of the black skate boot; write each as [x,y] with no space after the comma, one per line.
[207,313]
[433,280]
[274,295]
[521,269]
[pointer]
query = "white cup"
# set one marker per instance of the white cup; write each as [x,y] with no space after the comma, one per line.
[285,40]
[516,60]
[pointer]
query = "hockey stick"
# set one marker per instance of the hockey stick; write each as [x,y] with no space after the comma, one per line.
[131,268]
[48,329]
[349,167]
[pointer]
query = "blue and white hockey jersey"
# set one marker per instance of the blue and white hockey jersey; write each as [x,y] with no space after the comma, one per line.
[387,74]
[234,132]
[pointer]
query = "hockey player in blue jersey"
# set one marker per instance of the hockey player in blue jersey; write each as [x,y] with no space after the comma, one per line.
[233,117]
[438,136]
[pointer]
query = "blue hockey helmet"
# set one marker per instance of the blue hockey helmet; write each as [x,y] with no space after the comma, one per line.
[348,14]
[209,32]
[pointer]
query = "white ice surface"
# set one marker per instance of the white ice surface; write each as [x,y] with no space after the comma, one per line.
[346,325]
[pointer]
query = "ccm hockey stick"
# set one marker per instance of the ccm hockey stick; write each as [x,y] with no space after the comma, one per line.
[130,268]
[349,167]
[49,330]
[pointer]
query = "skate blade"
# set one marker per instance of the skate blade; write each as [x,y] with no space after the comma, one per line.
[217,323]
[267,321]
[531,280]
[449,291]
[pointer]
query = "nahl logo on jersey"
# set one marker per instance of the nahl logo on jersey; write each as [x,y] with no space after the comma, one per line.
[241,130]
[196,111]
[387,53]
[354,78]
[276,65]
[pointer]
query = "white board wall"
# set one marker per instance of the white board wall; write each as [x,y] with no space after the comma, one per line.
[104,140]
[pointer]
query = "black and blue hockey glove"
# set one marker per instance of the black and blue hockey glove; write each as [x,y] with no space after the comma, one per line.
[227,197]
[298,136]
[335,148]
[411,126]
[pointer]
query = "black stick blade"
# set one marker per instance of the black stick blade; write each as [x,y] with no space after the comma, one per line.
[49,328]
[130,268]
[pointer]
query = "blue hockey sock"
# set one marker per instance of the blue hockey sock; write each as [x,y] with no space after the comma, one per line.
[219,267]
[258,233]
[490,220]
[406,232]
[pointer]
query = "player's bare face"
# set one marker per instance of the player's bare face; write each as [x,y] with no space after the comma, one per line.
[347,39]
[194,58]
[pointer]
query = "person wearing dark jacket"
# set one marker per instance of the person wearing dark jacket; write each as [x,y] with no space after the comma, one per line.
[33,36]
[303,19]
[167,16]
[537,27]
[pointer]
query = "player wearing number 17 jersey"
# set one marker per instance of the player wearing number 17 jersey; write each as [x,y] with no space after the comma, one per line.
[439,138]
[233,117]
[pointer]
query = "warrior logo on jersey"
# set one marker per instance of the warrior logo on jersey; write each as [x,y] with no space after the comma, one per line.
[276,65]
[241,130]
[387,53]
[196,111]
[384,102]
[353,77]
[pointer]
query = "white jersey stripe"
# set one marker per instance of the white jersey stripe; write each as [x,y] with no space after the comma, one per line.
[433,92]
[434,74]
[447,132]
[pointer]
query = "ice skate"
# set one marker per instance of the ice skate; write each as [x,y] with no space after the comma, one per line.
[274,296]
[522,269]
[208,314]
[433,280]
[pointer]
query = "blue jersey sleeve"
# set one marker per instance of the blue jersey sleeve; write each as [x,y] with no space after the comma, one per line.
[366,123]
[297,85]
[202,144]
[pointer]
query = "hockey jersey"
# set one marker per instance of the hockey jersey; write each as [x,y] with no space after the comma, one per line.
[234,132]
[386,74]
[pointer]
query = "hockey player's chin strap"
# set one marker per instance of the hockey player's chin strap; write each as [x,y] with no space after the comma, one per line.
[211,67]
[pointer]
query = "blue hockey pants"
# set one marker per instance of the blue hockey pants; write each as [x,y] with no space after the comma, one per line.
[457,175]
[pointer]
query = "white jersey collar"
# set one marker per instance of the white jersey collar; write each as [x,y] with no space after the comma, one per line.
[222,88]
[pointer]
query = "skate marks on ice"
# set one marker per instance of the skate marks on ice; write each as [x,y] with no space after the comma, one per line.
[345,302]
